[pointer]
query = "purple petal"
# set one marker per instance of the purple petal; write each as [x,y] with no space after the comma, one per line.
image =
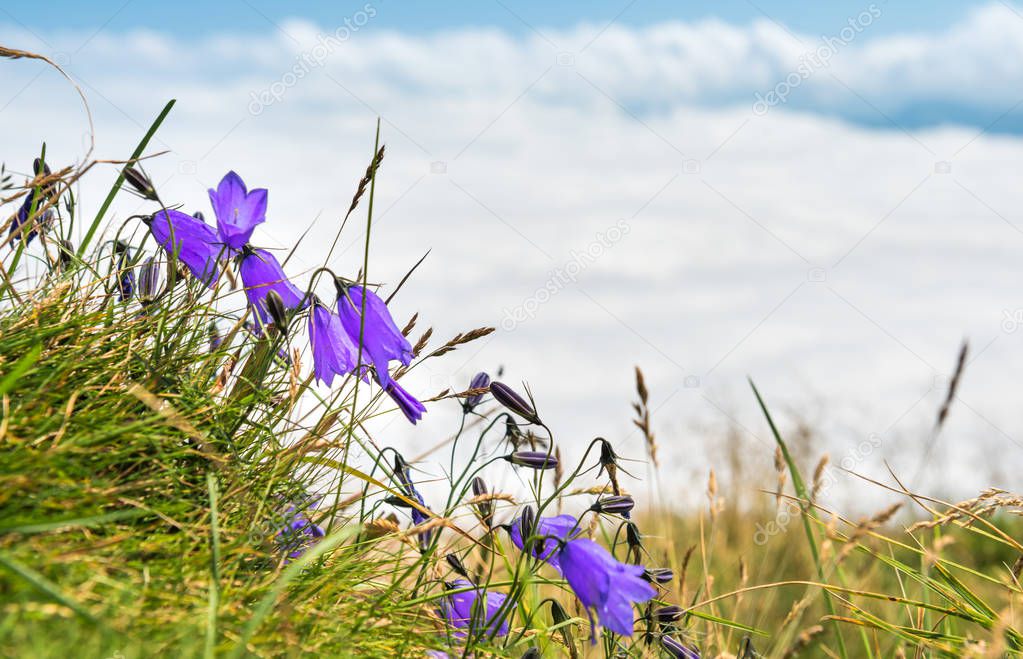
[558,527]
[457,608]
[261,273]
[192,241]
[382,339]
[603,583]
[333,352]
[407,403]
[238,211]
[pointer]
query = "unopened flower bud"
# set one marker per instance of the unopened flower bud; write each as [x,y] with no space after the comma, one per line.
[278,312]
[485,509]
[531,653]
[149,279]
[677,650]
[506,396]
[614,505]
[532,459]
[668,614]
[456,564]
[659,575]
[141,183]
[479,381]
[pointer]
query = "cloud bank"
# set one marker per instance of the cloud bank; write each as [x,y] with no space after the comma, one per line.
[617,195]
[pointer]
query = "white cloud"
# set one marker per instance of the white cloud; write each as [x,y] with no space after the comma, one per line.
[729,213]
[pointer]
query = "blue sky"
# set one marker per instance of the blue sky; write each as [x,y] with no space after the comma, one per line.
[198,17]
[983,106]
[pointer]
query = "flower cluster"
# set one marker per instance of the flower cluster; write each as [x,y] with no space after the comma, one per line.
[607,588]
[357,335]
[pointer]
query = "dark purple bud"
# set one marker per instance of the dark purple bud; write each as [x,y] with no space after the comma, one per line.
[141,183]
[666,615]
[633,537]
[456,564]
[527,522]
[479,381]
[149,279]
[278,312]
[614,505]
[485,509]
[396,501]
[659,575]
[505,395]
[532,459]
[532,653]
[677,650]
[39,167]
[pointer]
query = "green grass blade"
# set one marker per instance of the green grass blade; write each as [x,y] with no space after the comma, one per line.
[120,179]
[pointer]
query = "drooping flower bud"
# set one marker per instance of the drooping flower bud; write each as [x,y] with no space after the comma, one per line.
[507,396]
[278,312]
[149,279]
[456,564]
[614,505]
[533,459]
[677,650]
[634,540]
[141,183]
[479,381]
[527,522]
[667,615]
[485,509]
[659,575]
[39,167]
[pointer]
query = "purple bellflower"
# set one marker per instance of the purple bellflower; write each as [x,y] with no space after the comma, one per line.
[382,340]
[261,273]
[333,352]
[191,241]
[603,584]
[562,527]
[238,211]
[298,534]
[474,610]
